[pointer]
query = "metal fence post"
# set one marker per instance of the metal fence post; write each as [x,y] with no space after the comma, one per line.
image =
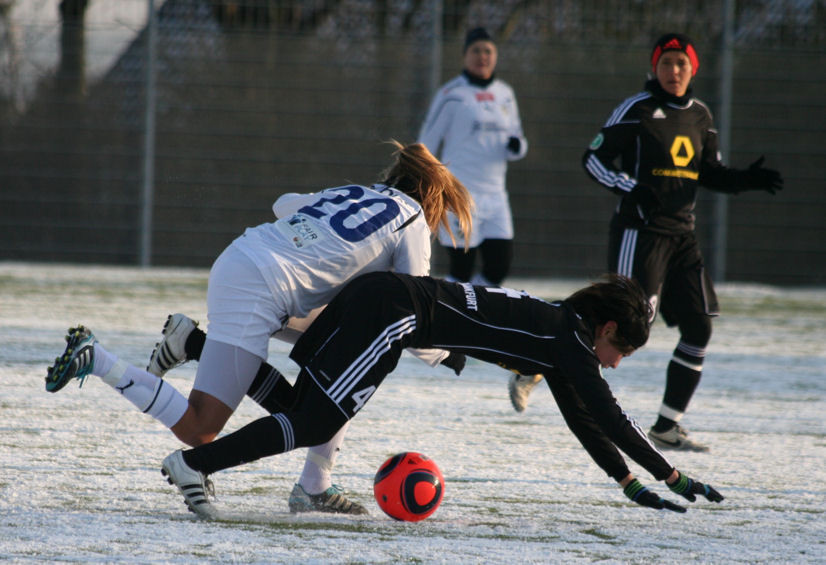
[436,47]
[720,227]
[148,143]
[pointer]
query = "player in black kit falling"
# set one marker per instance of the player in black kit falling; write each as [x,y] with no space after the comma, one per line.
[654,151]
[347,352]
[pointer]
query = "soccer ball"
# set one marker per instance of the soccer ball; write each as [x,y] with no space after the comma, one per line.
[409,487]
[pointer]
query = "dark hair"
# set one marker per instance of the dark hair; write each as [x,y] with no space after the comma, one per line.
[474,35]
[621,300]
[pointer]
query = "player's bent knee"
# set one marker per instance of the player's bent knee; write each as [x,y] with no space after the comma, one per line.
[193,436]
[197,439]
[195,430]
[203,420]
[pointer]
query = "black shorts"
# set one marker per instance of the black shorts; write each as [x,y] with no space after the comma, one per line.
[670,269]
[357,340]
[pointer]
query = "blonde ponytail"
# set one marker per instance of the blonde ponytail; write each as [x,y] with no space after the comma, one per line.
[423,177]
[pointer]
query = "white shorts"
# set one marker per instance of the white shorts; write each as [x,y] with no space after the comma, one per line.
[241,309]
[243,314]
[491,220]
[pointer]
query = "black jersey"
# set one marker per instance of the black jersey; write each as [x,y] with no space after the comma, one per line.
[359,337]
[526,334]
[666,143]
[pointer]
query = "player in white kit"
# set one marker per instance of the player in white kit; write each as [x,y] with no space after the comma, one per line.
[280,270]
[473,125]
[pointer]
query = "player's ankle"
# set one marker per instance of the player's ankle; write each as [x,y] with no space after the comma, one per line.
[663,424]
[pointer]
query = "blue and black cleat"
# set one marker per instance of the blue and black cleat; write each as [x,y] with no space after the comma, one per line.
[76,362]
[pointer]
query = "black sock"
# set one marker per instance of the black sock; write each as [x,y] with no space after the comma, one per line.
[497,256]
[195,344]
[461,263]
[271,390]
[680,384]
[663,424]
[261,438]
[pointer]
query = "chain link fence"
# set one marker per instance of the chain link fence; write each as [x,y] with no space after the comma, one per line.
[123,142]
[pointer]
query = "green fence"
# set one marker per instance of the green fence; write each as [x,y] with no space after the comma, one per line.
[246,100]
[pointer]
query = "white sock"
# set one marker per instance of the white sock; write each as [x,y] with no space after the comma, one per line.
[671,413]
[150,394]
[317,474]
[103,360]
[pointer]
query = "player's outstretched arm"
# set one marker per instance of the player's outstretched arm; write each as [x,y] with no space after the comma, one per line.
[640,494]
[689,488]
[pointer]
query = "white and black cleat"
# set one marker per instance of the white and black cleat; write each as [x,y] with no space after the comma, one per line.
[170,352]
[192,484]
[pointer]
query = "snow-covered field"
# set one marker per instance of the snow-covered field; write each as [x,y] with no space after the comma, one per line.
[80,478]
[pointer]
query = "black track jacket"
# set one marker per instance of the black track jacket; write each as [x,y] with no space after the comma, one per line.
[529,335]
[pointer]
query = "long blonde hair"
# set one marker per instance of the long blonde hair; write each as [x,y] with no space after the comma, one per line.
[424,178]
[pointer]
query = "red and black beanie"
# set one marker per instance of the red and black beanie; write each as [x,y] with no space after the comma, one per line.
[675,42]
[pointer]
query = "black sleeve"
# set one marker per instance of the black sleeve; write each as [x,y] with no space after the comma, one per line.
[599,160]
[579,366]
[586,430]
[713,174]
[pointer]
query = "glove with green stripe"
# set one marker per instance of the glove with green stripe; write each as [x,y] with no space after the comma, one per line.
[640,494]
[688,488]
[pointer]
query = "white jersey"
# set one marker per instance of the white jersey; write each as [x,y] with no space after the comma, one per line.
[473,124]
[323,240]
[290,268]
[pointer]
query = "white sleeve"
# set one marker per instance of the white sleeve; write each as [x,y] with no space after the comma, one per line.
[516,131]
[430,356]
[437,122]
[289,203]
[412,253]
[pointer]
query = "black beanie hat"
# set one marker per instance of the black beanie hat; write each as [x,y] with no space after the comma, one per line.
[474,35]
[675,42]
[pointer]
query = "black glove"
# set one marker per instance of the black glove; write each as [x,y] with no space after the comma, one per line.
[644,497]
[455,361]
[688,488]
[514,144]
[760,178]
[645,201]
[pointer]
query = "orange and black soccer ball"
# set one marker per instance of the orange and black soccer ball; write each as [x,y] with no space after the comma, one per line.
[409,486]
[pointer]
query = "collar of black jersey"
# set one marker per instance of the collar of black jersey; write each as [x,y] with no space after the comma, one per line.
[476,81]
[654,87]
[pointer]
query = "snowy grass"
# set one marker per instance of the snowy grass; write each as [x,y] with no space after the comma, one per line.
[80,480]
